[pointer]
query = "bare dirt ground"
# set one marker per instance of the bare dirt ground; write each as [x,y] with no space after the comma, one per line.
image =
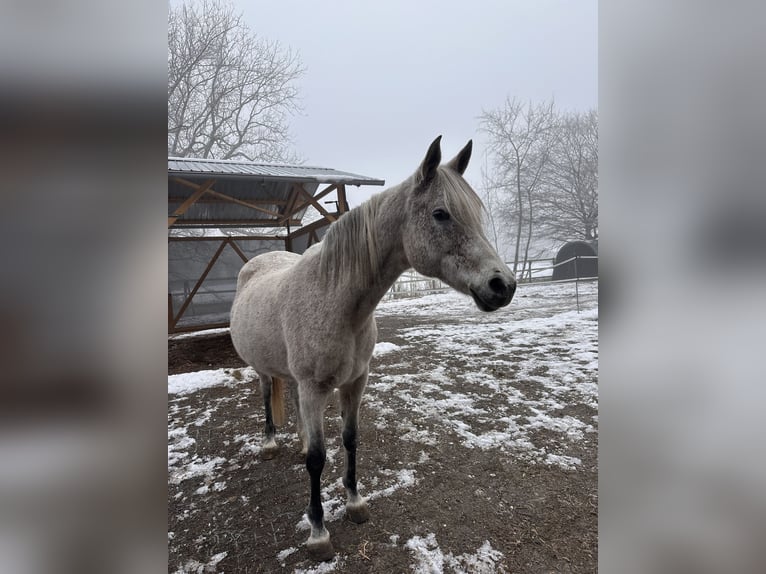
[455,481]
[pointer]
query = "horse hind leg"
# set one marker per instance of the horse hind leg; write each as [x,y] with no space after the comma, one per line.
[350,399]
[273,396]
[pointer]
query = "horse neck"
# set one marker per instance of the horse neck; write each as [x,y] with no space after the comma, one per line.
[359,293]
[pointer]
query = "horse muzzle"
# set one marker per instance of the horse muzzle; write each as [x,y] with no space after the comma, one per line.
[496,293]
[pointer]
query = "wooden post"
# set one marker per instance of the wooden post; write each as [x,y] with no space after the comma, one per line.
[577,283]
[170,312]
[342,203]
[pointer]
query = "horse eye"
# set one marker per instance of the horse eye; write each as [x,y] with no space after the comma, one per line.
[440,215]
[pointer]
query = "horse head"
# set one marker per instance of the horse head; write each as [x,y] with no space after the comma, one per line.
[444,236]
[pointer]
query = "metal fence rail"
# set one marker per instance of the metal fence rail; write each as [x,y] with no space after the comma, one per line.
[412,283]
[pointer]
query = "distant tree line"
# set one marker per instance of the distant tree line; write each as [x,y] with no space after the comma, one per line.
[540,179]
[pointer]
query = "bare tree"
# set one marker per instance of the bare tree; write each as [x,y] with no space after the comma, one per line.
[230,93]
[490,198]
[571,204]
[520,138]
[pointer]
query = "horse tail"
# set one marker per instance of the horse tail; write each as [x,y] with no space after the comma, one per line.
[278,401]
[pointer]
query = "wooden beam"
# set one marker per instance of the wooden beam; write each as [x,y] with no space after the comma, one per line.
[309,228]
[233,237]
[225,197]
[234,223]
[243,203]
[342,202]
[197,285]
[201,189]
[302,192]
[290,206]
[236,248]
[190,328]
[314,201]
[206,199]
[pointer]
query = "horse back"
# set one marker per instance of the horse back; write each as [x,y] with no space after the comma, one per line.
[262,266]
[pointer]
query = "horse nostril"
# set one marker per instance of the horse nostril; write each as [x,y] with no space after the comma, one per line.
[499,286]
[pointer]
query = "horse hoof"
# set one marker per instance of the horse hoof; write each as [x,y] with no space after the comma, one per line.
[358,513]
[320,549]
[268,452]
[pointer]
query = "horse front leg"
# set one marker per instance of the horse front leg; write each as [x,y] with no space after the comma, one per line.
[350,399]
[312,405]
[300,427]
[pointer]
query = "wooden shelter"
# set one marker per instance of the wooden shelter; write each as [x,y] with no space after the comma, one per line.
[223,212]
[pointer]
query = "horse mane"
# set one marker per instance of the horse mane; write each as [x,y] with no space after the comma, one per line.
[350,249]
[350,252]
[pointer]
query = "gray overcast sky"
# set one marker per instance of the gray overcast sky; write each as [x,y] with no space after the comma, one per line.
[384,78]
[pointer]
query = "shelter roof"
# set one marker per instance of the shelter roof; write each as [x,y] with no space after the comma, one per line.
[236,193]
[265,171]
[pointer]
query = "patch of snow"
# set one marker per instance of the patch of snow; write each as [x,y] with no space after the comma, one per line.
[179,442]
[251,444]
[204,417]
[322,568]
[187,383]
[203,333]
[404,479]
[383,348]
[281,556]
[429,558]
[334,504]
[196,567]
[565,462]
[196,468]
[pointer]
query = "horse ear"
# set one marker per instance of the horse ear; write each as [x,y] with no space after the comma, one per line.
[427,169]
[460,161]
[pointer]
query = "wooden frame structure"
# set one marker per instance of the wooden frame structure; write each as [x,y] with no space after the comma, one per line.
[264,202]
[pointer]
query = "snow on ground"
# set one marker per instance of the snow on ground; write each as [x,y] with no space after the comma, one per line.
[504,382]
[188,383]
[383,348]
[196,567]
[203,333]
[184,462]
[430,559]
[334,495]
[495,379]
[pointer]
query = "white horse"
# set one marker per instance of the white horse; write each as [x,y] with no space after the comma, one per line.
[309,319]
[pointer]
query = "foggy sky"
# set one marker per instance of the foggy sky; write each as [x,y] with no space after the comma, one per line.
[384,79]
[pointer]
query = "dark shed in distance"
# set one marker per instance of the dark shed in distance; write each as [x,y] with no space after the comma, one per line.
[579,268]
